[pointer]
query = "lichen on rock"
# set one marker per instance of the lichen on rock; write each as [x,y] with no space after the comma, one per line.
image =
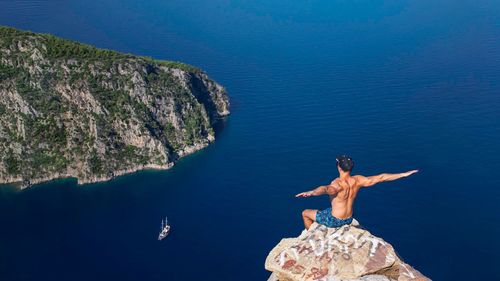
[345,253]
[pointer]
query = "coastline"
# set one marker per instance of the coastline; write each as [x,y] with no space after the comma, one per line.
[23,183]
[94,114]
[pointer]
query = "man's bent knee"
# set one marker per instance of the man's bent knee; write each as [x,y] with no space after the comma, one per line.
[310,214]
[306,212]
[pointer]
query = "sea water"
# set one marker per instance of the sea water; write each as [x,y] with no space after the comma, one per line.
[397,85]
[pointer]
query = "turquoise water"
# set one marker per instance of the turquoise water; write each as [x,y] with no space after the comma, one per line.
[397,85]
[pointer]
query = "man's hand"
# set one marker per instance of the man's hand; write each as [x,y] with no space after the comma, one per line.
[305,194]
[409,173]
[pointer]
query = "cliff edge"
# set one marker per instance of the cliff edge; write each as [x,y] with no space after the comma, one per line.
[73,110]
[345,253]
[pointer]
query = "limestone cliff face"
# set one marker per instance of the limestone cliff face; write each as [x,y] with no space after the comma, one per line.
[72,110]
[347,253]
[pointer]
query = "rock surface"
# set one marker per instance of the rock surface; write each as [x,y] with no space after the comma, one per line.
[345,253]
[72,110]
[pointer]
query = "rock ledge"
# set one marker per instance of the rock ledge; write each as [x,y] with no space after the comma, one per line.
[333,254]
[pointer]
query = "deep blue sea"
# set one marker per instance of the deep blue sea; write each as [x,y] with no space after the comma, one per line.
[397,85]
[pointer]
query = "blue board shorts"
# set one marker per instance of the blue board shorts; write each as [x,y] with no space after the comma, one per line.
[325,217]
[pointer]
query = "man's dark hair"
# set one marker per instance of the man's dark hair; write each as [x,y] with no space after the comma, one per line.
[345,163]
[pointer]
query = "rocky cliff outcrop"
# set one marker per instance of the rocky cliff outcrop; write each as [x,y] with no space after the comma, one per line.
[72,110]
[345,253]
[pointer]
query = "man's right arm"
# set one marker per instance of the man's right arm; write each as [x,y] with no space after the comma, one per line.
[321,190]
[369,181]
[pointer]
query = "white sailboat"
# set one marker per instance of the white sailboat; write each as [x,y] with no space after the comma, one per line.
[165,229]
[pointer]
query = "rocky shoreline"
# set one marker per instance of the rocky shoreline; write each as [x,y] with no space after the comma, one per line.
[70,110]
[22,183]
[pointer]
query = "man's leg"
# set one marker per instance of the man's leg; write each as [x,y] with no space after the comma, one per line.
[309,216]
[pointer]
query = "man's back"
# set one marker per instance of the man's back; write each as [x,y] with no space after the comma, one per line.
[342,199]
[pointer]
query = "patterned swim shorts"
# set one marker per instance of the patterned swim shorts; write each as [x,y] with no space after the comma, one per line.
[325,218]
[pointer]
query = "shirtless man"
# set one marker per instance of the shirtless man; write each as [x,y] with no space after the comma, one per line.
[342,192]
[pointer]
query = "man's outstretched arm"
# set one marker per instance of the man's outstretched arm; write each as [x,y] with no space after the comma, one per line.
[321,190]
[369,181]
